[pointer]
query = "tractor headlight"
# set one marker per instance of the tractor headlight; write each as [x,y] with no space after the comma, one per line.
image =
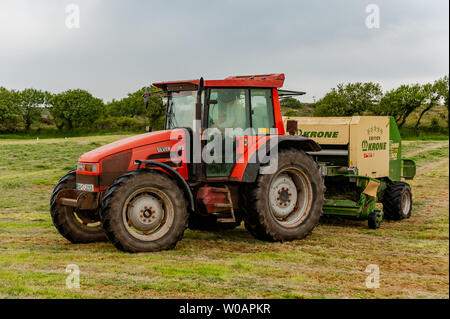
[87,167]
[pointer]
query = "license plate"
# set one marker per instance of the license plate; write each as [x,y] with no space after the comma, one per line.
[85,187]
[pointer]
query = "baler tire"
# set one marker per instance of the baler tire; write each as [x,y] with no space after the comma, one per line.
[119,194]
[258,218]
[374,220]
[392,201]
[65,221]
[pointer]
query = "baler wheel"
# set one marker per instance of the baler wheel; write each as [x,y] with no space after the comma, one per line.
[144,211]
[375,219]
[75,226]
[286,205]
[397,201]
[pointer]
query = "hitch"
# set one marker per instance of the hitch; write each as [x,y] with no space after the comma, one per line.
[78,199]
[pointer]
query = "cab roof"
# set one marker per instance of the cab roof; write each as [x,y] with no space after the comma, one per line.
[264,80]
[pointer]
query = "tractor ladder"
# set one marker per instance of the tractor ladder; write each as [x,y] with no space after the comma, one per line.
[221,217]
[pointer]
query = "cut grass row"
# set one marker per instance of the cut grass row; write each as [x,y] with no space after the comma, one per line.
[412,254]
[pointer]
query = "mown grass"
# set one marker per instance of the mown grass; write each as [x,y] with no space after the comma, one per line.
[412,254]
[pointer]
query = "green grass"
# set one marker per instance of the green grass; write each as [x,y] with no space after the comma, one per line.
[46,134]
[424,134]
[412,254]
[425,157]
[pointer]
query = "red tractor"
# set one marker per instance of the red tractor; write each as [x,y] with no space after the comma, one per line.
[142,192]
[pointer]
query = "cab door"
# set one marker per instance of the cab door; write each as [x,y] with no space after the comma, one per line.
[235,116]
[228,120]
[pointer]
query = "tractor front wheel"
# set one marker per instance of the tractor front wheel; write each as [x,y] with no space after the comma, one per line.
[78,226]
[397,201]
[286,205]
[144,211]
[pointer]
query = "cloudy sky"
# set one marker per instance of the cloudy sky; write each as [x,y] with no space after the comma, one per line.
[121,46]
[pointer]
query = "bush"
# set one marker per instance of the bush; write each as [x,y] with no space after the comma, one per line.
[75,108]
[349,99]
[435,123]
[401,102]
[10,114]
[121,123]
[291,103]
[290,113]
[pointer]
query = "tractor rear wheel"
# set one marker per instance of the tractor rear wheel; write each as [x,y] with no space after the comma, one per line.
[286,205]
[77,226]
[144,211]
[397,201]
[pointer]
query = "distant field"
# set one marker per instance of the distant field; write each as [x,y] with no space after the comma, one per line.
[413,255]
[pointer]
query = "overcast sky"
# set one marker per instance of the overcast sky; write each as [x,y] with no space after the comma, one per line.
[124,45]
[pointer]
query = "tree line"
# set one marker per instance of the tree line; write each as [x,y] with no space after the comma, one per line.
[368,99]
[75,109]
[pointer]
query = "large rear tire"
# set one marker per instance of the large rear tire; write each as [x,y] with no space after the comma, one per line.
[144,211]
[75,225]
[397,201]
[286,205]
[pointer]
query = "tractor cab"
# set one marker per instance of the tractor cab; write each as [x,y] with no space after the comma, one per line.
[238,102]
[238,111]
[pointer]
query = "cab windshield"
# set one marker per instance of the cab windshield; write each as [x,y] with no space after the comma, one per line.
[181,110]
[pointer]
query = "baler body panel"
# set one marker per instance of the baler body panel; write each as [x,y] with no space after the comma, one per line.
[324,130]
[369,145]
[372,144]
[395,151]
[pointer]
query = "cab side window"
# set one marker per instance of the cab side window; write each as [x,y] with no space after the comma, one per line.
[262,109]
[231,109]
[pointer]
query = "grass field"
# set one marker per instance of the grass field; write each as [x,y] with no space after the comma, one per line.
[412,255]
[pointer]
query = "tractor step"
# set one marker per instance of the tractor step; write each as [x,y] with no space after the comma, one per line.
[223,205]
[231,218]
[220,190]
[226,219]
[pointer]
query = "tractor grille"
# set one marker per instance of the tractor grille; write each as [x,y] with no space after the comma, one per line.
[114,167]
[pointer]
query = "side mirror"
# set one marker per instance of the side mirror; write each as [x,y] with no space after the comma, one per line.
[291,127]
[146,97]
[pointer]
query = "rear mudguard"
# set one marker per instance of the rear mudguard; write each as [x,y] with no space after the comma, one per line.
[248,170]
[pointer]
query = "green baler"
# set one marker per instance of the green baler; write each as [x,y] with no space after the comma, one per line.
[361,162]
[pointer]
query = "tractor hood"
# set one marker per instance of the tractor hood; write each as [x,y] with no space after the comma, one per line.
[130,143]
